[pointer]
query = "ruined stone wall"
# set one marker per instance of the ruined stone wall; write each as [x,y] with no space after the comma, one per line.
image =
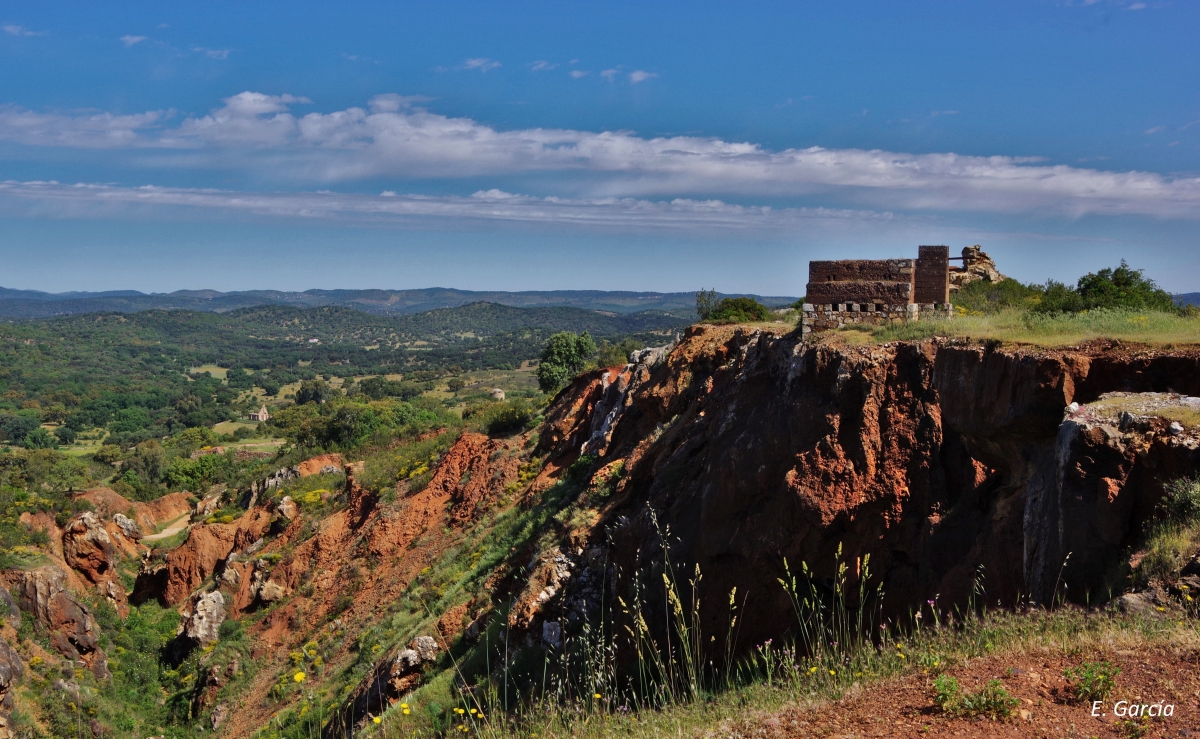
[880,281]
[825,317]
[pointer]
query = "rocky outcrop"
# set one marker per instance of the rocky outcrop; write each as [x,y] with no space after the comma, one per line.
[127,526]
[1086,507]
[976,265]
[751,448]
[11,671]
[201,618]
[74,632]
[391,679]
[186,567]
[88,548]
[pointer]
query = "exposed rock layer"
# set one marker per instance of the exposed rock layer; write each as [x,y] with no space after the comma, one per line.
[750,448]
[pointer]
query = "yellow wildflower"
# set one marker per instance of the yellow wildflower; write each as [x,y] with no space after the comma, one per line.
[299,677]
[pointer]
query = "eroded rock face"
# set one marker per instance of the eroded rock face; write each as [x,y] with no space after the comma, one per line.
[387,683]
[74,632]
[188,565]
[88,548]
[751,448]
[11,671]
[202,618]
[1112,461]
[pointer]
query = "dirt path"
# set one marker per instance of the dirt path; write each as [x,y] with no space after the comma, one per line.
[172,528]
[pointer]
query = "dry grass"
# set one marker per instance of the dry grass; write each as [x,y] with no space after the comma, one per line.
[1021,327]
[1068,632]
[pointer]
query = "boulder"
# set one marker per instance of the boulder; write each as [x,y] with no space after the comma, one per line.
[127,526]
[219,714]
[271,591]
[37,587]
[88,548]
[426,648]
[287,508]
[202,618]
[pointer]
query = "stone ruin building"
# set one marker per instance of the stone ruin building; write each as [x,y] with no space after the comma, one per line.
[877,291]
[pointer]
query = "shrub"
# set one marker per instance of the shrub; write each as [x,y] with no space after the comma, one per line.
[502,417]
[992,297]
[1182,503]
[611,355]
[740,310]
[992,700]
[947,693]
[1123,287]
[1092,681]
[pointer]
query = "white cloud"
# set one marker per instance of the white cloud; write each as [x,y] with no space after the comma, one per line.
[131,40]
[609,74]
[579,73]
[542,66]
[936,113]
[1156,129]
[211,53]
[638,75]
[13,30]
[79,130]
[678,215]
[395,137]
[483,64]
[1137,6]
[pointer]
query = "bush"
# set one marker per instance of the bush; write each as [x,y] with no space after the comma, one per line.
[1182,503]
[1123,287]
[740,310]
[505,416]
[992,297]
[611,355]
[1092,681]
[992,700]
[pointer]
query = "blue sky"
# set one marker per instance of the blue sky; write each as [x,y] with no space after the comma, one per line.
[644,146]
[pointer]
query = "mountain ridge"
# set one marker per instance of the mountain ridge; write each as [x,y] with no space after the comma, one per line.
[16,303]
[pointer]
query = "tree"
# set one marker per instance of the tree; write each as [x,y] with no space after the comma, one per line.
[315,391]
[40,438]
[65,435]
[564,356]
[706,303]
[1123,287]
[455,384]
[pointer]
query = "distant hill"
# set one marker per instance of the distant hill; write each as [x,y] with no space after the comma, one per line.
[37,304]
[330,339]
[1189,298]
